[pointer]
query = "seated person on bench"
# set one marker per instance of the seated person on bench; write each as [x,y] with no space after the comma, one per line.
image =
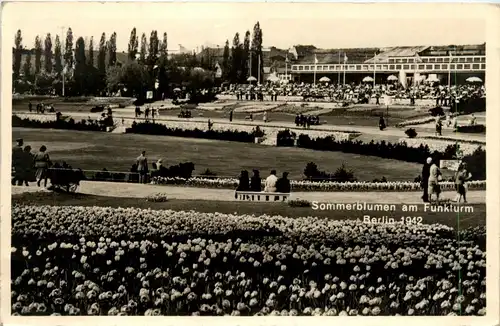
[271,181]
[243,184]
[283,184]
[256,182]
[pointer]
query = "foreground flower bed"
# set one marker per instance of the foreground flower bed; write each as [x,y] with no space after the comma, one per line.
[299,185]
[104,261]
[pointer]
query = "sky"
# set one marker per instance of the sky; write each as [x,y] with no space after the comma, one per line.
[324,25]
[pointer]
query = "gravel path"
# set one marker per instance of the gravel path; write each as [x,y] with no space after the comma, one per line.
[132,190]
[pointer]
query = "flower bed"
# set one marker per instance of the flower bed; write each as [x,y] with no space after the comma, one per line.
[454,140]
[299,185]
[416,122]
[50,122]
[104,261]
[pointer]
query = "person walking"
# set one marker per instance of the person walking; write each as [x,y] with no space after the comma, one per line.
[42,165]
[461,177]
[270,185]
[231,116]
[26,173]
[265,117]
[17,156]
[433,184]
[142,167]
[425,179]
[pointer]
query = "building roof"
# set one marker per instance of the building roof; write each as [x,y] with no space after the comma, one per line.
[336,56]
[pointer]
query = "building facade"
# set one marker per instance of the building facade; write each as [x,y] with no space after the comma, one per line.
[456,63]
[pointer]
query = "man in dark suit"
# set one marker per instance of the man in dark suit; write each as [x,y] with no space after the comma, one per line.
[425,179]
[17,157]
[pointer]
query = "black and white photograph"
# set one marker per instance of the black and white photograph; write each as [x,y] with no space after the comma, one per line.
[248,159]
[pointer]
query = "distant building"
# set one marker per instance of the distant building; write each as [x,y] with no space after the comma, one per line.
[459,61]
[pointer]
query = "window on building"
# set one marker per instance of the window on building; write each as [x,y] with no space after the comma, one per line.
[428,67]
[320,68]
[385,67]
[301,67]
[391,60]
[399,60]
[459,66]
[398,67]
[358,67]
[439,59]
[365,67]
[413,67]
[461,59]
[421,67]
[453,66]
[406,67]
[483,66]
[391,67]
[475,66]
[379,67]
[483,59]
[469,59]
[467,66]
[306,67]
[477,59]
[432,59]
[425,60]
[404,60]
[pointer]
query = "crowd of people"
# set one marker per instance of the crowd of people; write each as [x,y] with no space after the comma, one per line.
[271,184]
[28,166]
[40,108]
[432,176]
[358,92]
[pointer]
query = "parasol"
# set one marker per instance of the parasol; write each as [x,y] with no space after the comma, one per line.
[474,80]
[324,79]
[392,78]
[251,79]
[367,79]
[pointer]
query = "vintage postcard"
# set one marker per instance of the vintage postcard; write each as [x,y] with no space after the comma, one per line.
[206,162]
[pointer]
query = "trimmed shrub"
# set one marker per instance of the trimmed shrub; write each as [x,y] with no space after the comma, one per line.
[477,129]
[411,133]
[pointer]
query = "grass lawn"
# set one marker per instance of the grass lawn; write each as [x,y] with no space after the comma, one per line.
[117,152]
[464,220]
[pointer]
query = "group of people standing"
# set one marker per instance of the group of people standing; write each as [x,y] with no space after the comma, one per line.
[432,176]
[27,166]
[271,184]
[306,121]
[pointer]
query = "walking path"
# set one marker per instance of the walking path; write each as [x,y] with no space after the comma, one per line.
[367,130]
[133,190]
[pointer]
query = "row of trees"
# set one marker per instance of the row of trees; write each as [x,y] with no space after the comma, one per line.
[146,67]
[245,59]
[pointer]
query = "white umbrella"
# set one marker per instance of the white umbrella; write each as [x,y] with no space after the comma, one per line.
[392,78]
[251,79]
[273,78]
[474,80]
[284,81]
[177,89]
[367,79]
[432,79]
[324,79]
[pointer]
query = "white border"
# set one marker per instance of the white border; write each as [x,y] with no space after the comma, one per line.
[490,13]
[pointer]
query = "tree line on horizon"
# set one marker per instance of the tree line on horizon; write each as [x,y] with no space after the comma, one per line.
[147,65]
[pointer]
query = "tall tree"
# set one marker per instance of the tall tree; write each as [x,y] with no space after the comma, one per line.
[225,61]
[91,52]
[153,48]
[27,67]
[164,45]
[245,58]
[101,60]
[236,50]
[68,53]
[112,50]
[58,66]
[38,55]
[18,48]
[144,49]
[80,66]
[163,77]
[48,54]
[133,45]
[257,53]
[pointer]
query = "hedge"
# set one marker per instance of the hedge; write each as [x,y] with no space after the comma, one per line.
[57,124]
[149,128]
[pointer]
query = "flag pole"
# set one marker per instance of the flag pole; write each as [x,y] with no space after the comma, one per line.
[374,68]
[259,70]
[344,67]
[250,65]
[338,74]
[449,71]
[315,65]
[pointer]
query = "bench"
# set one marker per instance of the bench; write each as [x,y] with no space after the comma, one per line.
[262,196]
